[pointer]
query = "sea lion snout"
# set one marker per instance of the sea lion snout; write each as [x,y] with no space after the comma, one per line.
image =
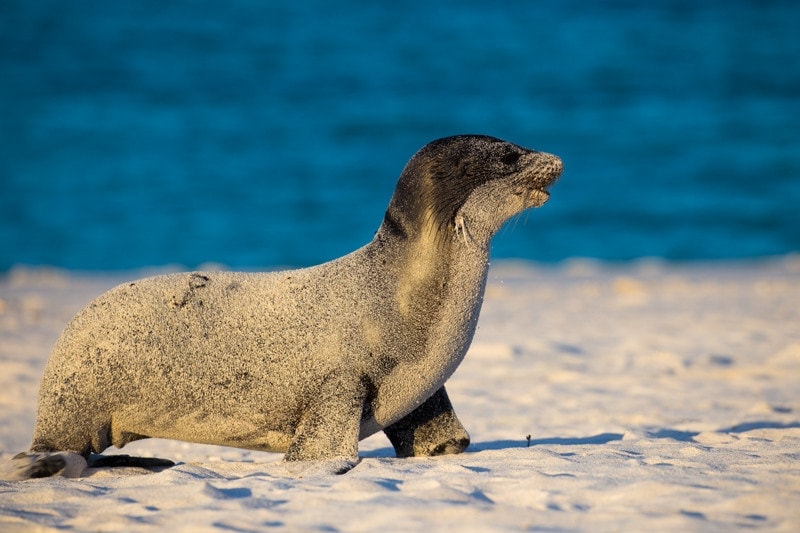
[556,166]
[546,168]
[542,170]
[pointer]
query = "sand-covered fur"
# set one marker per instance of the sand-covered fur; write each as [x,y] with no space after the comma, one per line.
[658,396]
[306,361]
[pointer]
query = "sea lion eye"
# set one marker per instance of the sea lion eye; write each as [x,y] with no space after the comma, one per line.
[510,158]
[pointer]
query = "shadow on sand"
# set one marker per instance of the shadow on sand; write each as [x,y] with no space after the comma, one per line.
[602,438]
[688,436]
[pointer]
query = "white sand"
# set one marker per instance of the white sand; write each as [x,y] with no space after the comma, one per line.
[660,398]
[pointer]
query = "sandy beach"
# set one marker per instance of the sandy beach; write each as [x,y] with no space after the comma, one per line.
[644,396]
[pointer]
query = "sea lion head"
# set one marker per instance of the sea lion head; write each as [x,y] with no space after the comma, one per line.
[469,182]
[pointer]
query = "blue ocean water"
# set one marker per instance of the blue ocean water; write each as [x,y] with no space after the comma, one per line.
[260,134]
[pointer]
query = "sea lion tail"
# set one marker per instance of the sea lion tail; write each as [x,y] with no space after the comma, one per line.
[100,461]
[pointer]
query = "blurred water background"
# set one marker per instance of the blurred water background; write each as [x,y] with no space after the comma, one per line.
[263,134]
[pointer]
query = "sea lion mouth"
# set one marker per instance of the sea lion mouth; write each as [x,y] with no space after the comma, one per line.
[532,196]
[537,197]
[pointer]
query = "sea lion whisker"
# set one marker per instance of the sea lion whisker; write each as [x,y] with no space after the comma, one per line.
[461,228]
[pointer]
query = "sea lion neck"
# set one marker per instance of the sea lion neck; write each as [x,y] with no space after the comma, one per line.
[427,267]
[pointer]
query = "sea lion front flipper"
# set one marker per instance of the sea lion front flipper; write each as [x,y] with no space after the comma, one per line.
[329,428]
[431,429]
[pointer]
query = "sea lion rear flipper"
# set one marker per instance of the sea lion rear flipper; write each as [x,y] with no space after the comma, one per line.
[430,429]
[43,464]
[329,428]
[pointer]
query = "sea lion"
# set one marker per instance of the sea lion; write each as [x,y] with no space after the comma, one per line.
[307,361]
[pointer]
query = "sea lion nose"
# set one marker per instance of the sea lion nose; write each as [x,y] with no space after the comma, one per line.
[553,166]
